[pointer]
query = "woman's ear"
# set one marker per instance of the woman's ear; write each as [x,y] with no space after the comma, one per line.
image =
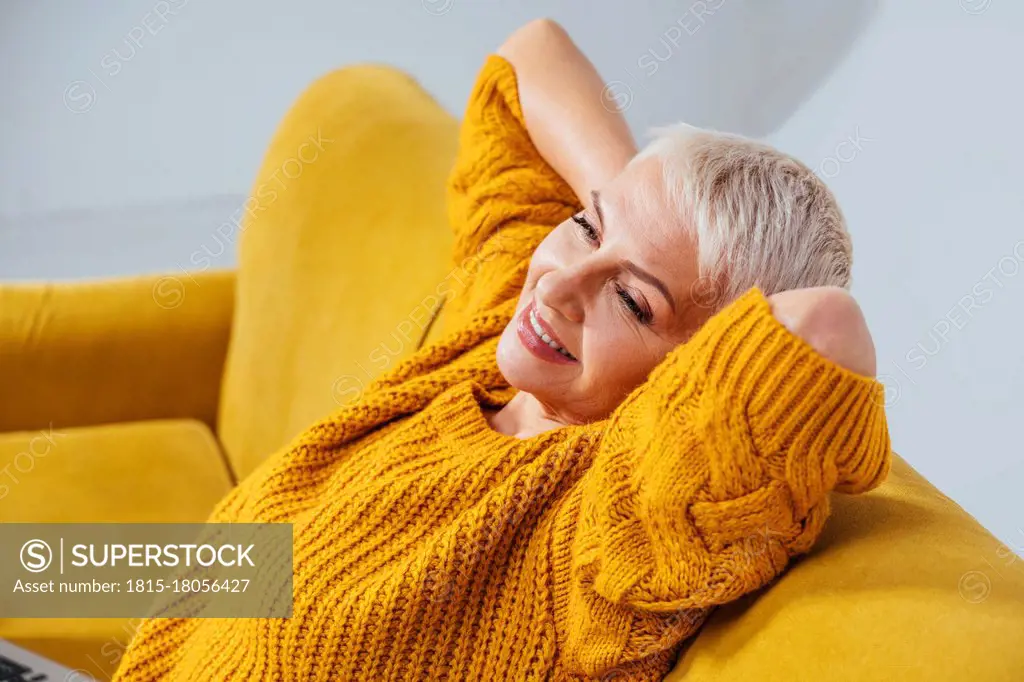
[831,321]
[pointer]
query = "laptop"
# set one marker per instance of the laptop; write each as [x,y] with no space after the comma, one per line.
[21,665]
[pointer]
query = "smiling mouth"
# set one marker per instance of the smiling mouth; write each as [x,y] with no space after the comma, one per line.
[540,339]
[549,339]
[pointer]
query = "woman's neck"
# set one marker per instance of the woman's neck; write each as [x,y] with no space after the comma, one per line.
[522,417]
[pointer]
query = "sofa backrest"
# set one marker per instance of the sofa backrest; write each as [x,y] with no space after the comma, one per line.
[343,241]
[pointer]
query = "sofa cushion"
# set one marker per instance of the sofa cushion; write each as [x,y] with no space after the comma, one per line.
[903,585]
[343,249]
[157,471]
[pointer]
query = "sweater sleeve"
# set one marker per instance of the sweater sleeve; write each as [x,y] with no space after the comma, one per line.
[715,473]
[503,197]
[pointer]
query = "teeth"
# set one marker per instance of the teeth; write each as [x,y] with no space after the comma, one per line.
[544,336]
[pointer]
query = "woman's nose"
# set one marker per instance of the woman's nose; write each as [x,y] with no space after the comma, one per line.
[562,291]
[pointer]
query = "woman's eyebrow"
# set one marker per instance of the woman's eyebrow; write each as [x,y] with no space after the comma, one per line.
[595,199]
[653,281]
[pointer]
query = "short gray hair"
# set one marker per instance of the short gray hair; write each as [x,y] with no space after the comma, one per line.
[760,217]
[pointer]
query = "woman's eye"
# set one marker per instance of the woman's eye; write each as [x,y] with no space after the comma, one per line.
[640,312]
[585,228]
[642,315]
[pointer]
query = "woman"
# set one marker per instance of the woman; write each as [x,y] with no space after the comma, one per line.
[642,398]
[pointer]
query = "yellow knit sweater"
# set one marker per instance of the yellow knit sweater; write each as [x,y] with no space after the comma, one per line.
[428,546]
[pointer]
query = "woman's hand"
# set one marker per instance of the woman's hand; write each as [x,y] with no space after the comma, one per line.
[830,320]
[561,93]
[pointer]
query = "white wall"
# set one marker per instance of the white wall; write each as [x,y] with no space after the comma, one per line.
[127,138]
[933,194]
[124,123]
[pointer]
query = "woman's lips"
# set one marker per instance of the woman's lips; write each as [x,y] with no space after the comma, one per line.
[534,343]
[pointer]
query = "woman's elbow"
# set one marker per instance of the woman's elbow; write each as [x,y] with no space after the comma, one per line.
[537,34]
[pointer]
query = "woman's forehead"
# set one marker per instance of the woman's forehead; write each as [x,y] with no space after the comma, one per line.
[639,192]
[641,215]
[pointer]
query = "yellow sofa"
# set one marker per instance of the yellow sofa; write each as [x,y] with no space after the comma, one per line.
[146,398]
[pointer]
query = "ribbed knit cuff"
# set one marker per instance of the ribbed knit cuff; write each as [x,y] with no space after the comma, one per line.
[823,423]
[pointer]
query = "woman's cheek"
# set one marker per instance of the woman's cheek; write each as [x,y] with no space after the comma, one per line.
[613,353]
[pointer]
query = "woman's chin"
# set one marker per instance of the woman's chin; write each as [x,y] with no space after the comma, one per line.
[522,369]
[512,364]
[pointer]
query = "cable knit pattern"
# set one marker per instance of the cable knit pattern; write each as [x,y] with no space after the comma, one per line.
[428,546]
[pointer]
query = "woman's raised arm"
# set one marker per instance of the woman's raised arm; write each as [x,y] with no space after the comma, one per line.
[717,473]
[561,95]
[534,141]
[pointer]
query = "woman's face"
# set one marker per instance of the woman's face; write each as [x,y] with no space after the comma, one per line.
[613,288]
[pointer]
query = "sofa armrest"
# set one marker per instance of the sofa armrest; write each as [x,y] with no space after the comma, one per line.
[126,349]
